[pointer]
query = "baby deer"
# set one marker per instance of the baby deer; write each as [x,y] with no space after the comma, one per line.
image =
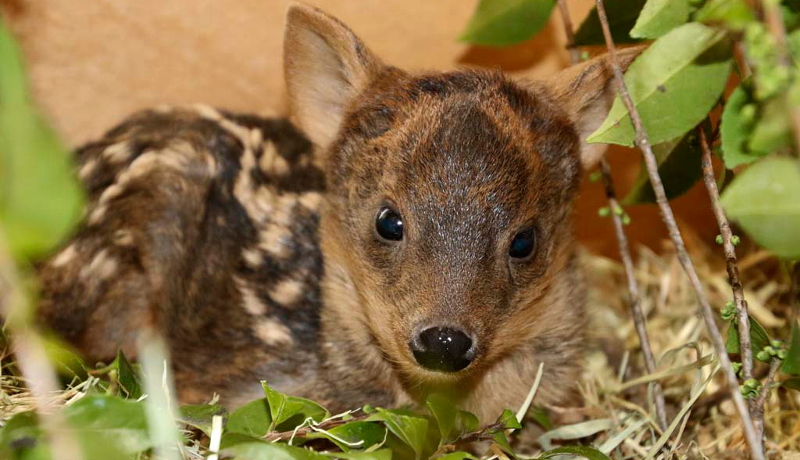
[413,236]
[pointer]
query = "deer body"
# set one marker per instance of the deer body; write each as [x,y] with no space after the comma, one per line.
[417,240]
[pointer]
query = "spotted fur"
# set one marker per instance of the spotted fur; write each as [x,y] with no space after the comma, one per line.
[252,248]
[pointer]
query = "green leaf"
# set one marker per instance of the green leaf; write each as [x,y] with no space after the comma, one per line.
[506,22]
[587,452]
[110,419]
[540,416]
[200,415]
[410,429]
[290,410]
[738,120]
[248,448]
[660,16]
[367,433]
[128,377]
[509,420]
[791,365]
[21,438]
[458,456]
[734,14]
[501,440]
[383,454]
[771,131]
[445,414]
[758,337]
[792,383]
[673,84]
[622,15]
[252,419]
[40,200]
[678,166]
[763,200]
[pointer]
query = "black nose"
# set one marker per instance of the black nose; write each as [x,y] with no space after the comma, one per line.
[443,349]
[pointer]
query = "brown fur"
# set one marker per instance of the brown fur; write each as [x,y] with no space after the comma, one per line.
[255,253]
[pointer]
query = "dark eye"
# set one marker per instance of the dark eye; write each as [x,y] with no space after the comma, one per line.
[389,225]
[523,244]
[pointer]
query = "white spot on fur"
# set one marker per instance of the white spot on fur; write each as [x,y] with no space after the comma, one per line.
[101,267]
[177,156]
[271,162]
[311,200]
[274,240]
[272,332]
[87,169]
[287,291]
[65,256]
[123,238]
[206,111]
[117,153]
[253,257]
[250,301]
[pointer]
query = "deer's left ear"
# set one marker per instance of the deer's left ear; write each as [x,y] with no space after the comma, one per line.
[586,91]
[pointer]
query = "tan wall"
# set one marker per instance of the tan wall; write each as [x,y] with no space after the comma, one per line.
[91,62]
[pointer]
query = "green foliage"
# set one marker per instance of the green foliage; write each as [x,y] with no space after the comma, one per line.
[791,364]
[678,166]
[588,453]
[758,337]
[733,14]
[736,128]
[409,428]
[673,84]
[291,410]
[763,200]
[622,15]
[33,217]
[505,22]
[660,16]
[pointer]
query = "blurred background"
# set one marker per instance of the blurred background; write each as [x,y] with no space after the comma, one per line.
[91,63]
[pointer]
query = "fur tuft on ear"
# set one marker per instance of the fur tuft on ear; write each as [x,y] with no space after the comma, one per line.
[587,91]
[326,66]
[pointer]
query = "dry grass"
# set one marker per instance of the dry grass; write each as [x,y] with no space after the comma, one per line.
[615,415]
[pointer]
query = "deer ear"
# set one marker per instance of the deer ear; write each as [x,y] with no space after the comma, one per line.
[326,66]
[587,91]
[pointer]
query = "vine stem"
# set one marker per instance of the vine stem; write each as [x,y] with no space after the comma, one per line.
[742,318]
[753,440]
[639,320]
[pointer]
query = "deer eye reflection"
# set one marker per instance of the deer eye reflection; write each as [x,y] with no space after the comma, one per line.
[389,224]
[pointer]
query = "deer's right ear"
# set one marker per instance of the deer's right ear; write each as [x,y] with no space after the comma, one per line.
[326,66]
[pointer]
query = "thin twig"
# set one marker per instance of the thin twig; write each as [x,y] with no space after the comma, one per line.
[754,442]
[743,321]
[639,320]
[761,399]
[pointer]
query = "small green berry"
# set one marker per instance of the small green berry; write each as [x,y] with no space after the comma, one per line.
[735,240]
[776,343]
[618,211]
[751,383]
[748,113]
[744,390]
[584,56]
[783,353]
[604,211]
[771,351]
[719,239]
[367,409]
[595,176]
[626,219]
[762,356]
[737,367]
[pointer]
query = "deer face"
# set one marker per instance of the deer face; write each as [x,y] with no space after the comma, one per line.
[448,198]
